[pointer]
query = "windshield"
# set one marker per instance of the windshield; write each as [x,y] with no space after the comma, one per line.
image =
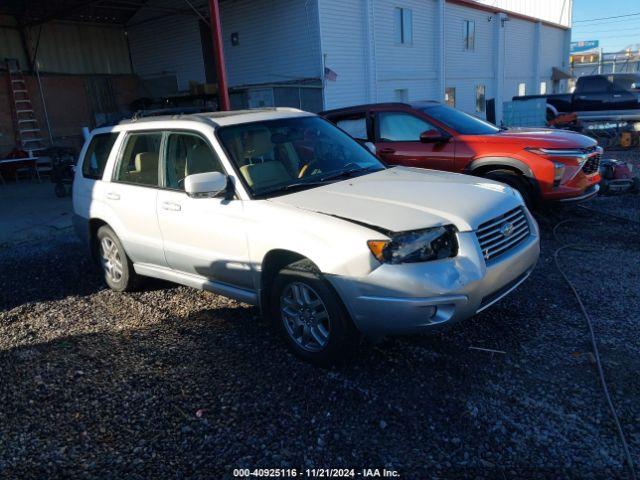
[461,122]
[293,153]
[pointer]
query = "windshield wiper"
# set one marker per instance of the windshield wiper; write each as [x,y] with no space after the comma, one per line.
[345,173]
[314,183]
[291,186]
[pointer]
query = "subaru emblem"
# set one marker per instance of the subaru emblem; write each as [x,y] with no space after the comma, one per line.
[507,229]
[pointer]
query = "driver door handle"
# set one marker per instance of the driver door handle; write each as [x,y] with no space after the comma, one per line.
[387,150]
[113,196]
[172,207]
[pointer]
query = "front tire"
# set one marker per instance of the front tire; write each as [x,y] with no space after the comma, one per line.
[117,268]
[311,317]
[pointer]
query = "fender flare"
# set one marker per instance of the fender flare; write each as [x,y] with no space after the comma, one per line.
[501,162]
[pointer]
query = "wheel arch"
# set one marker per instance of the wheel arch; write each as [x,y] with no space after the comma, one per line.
[483,166]
[94,225]
[274,261]
[487,164]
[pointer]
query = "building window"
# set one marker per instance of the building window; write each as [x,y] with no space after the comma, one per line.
[480,98]
[404,26]
[402,95]
[450,96]
[522,89]
[543,88]
[469,35]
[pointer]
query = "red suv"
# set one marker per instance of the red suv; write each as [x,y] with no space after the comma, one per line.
[541,164]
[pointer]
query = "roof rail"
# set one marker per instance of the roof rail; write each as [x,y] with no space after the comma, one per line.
[167,111]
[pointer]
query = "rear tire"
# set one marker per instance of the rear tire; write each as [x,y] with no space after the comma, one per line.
[117,268]
[60,190]
[515,181]
[310,316]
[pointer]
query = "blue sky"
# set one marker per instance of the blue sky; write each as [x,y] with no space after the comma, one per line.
[614,34]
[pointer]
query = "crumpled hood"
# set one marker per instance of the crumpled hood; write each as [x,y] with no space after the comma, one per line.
[400,199]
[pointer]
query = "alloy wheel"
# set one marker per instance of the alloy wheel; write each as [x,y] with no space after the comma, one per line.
[305,316]
[111,260]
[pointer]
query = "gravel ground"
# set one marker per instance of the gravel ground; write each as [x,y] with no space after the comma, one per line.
[176,383]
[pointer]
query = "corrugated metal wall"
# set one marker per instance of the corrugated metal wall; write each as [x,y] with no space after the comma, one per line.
[284,48]
[76,48]
[71,48]
[10,42]
[168,46]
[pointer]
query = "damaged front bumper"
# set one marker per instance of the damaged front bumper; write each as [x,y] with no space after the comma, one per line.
[422,297]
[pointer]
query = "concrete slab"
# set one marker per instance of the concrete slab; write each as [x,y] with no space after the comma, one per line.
[30,211]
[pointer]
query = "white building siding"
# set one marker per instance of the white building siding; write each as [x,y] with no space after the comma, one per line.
[552,50]
[344,43]
[467,69]
[278,41]
[556,11]
[519,52]
[410,67]
[168,46]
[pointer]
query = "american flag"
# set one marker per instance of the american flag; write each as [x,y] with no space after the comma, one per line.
[330,74]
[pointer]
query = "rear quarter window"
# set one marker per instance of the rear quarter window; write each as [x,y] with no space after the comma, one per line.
[95,159]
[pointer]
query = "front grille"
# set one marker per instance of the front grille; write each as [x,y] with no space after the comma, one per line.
[592,164]
[501,234]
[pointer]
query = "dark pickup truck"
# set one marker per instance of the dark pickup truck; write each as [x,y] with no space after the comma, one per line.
[597,97]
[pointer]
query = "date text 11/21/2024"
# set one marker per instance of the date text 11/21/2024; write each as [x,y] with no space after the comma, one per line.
[315,473]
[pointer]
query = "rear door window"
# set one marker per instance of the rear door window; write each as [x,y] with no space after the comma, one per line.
[95,159]
[140,160]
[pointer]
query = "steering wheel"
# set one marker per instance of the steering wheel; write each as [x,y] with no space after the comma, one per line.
[306,170]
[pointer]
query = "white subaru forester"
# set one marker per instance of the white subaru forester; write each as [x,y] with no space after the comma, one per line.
[281,209]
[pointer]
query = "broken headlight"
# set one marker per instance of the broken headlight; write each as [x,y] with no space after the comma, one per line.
[416,246]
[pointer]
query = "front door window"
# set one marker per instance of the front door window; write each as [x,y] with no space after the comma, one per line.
[188,154]
[402,127]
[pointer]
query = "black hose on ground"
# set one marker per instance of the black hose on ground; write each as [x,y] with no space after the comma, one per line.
[594,344]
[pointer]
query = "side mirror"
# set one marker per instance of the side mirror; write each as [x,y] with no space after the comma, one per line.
[371,147]
[434,136]
[207,184]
